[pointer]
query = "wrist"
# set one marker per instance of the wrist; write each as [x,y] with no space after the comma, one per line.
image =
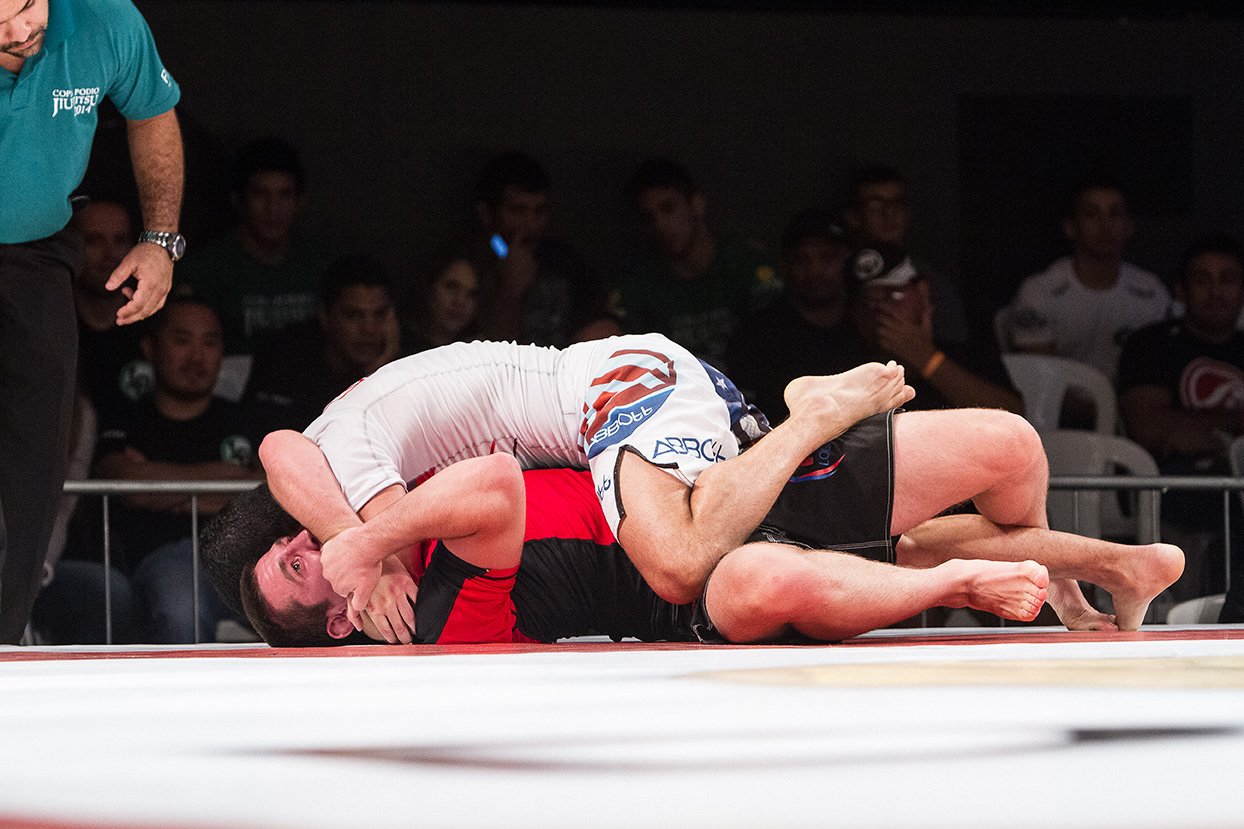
[933,364]
[174,243]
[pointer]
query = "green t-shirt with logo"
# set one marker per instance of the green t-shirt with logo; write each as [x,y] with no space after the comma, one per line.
[48,112]
[252,298]
[700,313]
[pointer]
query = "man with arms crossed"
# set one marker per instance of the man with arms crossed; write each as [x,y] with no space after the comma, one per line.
[58,58]
[574,580]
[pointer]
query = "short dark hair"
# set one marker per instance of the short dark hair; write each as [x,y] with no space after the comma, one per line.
[512,169]
[1096,180]
[654,173]
[867,174]
[1219,243]
[239,535]
[811,224]
[160,318]
[269,154]
[131,214]
[348,271]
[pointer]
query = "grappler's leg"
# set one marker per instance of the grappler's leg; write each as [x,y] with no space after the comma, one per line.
[1133,575]
[675,535]
[762,590]
[997,461]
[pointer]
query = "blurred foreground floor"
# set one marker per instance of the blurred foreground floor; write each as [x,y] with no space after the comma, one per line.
[901,728]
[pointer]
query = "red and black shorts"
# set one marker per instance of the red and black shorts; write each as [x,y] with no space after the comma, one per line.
[460,603]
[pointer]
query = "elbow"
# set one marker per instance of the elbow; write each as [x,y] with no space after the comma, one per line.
[676,585]
[274,444]
[499,484]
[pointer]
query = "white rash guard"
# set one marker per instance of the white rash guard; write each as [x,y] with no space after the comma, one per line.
[575,407]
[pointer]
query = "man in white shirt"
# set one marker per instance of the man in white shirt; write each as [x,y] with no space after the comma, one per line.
[1083,306]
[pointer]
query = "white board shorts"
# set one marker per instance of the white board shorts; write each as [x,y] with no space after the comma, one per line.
[650,396]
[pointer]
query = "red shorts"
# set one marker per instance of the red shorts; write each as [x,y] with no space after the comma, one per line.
[460,603]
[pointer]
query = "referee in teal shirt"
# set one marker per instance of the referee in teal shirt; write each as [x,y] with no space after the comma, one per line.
[58,58]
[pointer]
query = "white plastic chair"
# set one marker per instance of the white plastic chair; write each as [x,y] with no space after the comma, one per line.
[1096,513]
[1199,611]
[1043,381]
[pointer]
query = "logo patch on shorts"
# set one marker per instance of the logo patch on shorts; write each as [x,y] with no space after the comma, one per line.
[819,465]
[632,385]
[707,449]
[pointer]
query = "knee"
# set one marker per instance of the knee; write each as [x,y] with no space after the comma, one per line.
[1016,444]
[755,591]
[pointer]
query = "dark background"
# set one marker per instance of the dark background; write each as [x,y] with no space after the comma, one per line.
[991,108]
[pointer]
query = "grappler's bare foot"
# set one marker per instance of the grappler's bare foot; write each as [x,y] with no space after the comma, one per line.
[1147,572]
[838,401]
[1012,590]
[1074,611]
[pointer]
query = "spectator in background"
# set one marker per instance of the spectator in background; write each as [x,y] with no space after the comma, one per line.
[1181,394]
[446,303]
[534,289]
[181,432]
[892,314]
[263,276]
[696,284]
[1084,306]
[111,369]
[300,369]
[804,330]
[878,211]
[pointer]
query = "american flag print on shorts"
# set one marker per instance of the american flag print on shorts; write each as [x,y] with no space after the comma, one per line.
[631,386]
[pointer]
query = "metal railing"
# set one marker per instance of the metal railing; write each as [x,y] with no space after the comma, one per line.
[1160,484]
[107,489]
[1075,483]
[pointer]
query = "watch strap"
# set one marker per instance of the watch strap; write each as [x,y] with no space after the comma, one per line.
[173,243]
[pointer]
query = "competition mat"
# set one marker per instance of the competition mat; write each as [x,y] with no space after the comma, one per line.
[1024,727]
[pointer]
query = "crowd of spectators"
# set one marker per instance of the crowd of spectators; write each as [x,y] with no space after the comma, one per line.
[265,326]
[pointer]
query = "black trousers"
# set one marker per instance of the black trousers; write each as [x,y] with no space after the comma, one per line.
[38,361]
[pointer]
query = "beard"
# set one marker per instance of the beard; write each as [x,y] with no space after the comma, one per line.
[32,49]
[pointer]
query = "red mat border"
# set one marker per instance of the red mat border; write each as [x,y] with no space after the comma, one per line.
[1212,632]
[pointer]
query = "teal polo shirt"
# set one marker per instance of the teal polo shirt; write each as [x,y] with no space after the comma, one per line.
[48,112]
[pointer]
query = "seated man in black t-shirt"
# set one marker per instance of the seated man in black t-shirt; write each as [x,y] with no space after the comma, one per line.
[1181,387]
[180,432]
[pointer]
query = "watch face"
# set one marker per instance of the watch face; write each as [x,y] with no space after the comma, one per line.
[177,246]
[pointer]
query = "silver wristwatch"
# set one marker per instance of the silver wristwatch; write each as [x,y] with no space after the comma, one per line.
[174,243]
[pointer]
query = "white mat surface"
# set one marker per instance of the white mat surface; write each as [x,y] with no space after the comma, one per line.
[630,738]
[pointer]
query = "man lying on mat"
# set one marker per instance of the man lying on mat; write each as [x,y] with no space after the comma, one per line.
[805,574]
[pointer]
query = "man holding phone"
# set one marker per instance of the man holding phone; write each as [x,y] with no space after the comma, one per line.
[534,290]
[892,313]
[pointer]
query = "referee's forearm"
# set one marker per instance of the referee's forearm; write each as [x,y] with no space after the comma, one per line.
[159,169]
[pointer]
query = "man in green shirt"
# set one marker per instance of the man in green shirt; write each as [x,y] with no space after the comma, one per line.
[695,284]
[261,277]
[58,59]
